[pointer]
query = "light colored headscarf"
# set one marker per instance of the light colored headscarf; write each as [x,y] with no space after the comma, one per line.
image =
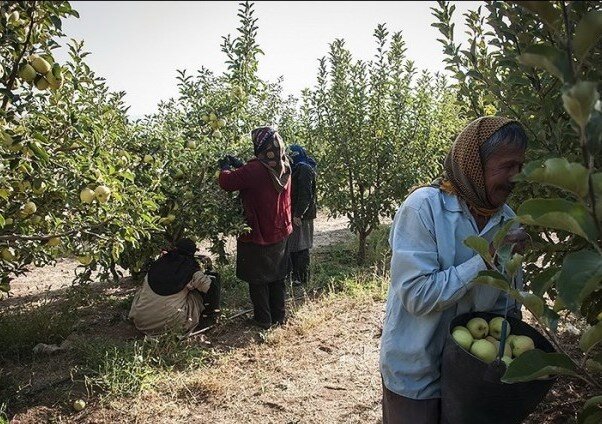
[464,171]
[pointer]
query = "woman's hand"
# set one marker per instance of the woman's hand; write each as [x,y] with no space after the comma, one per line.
[518,236]
[297,221]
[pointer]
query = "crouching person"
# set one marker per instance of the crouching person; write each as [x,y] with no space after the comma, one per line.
[176,294]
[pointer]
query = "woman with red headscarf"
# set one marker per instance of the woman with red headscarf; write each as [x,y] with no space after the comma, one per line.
[261,255]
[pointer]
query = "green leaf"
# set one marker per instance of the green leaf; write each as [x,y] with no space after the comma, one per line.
[537,363]
[587,33]
[558,172]
[549,58]
[579,101]
[594,364]
[128,175]
[514,264]
[591,412]
[499,236]
[559,214]
[4,287]
[544,280]
[545,10]
[581,275]
[493,279]
[39,151]
[2,221]
[480,245]
[550,319]
[533,303]
[591,337]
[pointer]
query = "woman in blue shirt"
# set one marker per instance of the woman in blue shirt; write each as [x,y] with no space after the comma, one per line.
[432,270]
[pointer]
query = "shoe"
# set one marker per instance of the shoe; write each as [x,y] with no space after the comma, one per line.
[279,323]
[262,325]
[204,322]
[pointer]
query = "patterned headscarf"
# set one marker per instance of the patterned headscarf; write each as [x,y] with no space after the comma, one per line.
[270,151]
[464,170]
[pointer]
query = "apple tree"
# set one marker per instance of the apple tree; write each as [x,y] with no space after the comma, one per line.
[378,128]
[67,182]
[212,115]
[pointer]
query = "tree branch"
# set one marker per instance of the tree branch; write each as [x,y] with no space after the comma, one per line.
[13,74]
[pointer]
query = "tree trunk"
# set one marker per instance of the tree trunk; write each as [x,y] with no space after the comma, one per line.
[361,249]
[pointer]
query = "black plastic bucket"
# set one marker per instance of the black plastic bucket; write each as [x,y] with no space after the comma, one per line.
[469,398]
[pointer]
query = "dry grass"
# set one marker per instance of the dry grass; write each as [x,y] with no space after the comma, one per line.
[291,374]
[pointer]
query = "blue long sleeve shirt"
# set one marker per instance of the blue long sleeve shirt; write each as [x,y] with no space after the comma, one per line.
[431,283]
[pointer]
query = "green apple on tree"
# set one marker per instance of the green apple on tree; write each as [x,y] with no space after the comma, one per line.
[28,208]
[87,195]
[41,83]
[40,64]
[85,260]
[147,159]
[54,241]
[478,327]
[102,193]
[8,254]
[27,73]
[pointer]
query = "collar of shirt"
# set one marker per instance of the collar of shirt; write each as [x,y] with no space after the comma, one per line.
[453,203]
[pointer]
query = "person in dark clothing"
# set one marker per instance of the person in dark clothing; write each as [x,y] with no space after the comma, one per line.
[261,257]
[303,200]
[176,294]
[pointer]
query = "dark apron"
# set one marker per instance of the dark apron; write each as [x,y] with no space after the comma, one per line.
[261,264]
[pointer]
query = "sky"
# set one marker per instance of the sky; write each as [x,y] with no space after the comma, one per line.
[138,46]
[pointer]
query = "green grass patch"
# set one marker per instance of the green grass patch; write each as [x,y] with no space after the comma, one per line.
[334,268]
[130,368]
[21,329]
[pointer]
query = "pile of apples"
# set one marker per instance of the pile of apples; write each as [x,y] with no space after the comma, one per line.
[482,339]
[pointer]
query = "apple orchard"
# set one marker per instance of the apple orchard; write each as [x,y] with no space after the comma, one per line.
[80,179]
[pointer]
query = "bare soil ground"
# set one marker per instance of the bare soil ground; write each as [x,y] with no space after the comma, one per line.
[322,367]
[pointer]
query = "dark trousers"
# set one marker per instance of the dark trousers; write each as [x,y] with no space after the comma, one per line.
[268,302]
[300,265]
[398,409]
[211,299]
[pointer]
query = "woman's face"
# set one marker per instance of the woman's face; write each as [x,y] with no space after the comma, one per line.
[500,168]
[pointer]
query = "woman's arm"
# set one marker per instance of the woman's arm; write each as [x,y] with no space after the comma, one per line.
[236,179]
[417,279]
